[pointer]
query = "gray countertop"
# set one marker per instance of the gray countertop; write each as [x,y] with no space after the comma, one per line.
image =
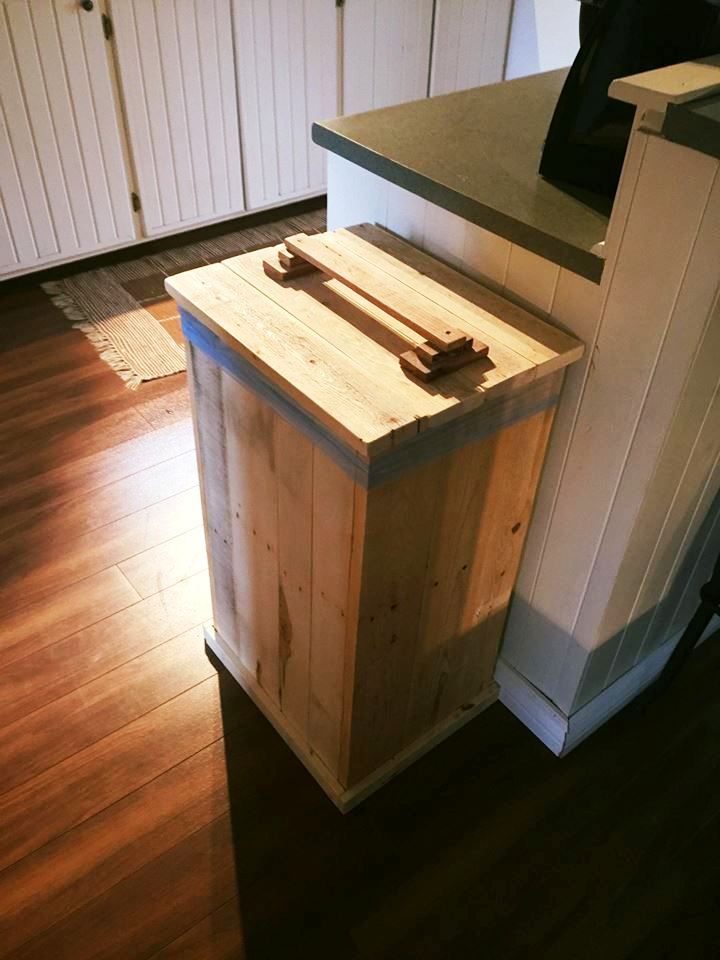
[476,153]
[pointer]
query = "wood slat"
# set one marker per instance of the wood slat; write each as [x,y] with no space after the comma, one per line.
[305,366]
[404,303]
[338,314]
[251,494]
[335,498]
[488,315]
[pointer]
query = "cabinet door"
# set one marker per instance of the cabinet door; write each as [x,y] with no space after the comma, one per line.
[470,43]
[177,70]
[63,179]
[386,52]
[287,78]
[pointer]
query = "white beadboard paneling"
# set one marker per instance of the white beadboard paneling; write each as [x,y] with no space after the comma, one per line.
[533,641]
[444,235]
[62,194]
[405,214]
[544,36]
[96,113]
[8,250]
[646,271]
[681,439]
[530,280]
[386,52]
[676,309]
[287,79]
[177,67]
[486,256]
[470,40]
[354,195]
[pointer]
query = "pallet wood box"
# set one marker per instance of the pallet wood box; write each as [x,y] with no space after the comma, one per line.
[364,528]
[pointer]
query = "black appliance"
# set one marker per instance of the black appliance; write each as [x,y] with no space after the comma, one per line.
[588,134]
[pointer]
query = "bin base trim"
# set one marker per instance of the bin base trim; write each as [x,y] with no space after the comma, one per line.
[344,798]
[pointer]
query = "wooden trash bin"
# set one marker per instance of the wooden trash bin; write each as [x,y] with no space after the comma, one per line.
[364,527]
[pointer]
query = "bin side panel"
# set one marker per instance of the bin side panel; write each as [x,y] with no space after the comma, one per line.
[204,381]
[398,537]
[283,541]
[443,544]
[476,555]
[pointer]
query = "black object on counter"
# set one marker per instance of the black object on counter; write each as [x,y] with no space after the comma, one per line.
[589,132]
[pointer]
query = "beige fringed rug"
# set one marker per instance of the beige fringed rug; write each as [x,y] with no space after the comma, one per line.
[127,315]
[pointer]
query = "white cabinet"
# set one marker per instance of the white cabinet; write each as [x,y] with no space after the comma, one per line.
[177,71]
[470,41]
[386,52]
[63,179]
[203,108]
[286,52]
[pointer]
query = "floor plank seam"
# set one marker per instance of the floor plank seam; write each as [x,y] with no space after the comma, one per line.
[3,726]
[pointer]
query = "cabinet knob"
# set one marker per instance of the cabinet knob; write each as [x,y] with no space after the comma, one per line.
[87,5]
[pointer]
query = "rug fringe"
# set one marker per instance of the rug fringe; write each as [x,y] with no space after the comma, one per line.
[104,346]
[107,351]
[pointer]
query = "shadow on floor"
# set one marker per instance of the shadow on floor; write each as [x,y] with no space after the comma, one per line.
[489,843]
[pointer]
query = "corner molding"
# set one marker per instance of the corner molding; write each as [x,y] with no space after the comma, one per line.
[562,733]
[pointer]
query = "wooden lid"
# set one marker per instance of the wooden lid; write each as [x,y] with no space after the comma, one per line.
[334,354]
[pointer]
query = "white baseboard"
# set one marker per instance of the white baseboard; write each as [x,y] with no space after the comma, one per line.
[561,733]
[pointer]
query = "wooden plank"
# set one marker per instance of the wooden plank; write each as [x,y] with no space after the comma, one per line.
[403,302]
[223,928]
[205,382]
[474,630]
[87,782]
[59,729]
[28,683]
[85,474]
[167,563]
[252,501]
[398,532]
[34,626]
[337,313]
[333,504]
[293,455]
[59,563]
[312,373]
[35,527]
[485,314]
[69,872]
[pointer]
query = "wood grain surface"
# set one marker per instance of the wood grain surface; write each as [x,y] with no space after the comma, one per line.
[148,810]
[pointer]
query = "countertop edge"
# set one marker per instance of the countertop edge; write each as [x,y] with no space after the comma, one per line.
[584,263]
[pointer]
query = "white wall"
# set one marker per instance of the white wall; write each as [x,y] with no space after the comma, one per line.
[544,36]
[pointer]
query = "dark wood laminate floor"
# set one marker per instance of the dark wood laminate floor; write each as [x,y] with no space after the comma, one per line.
[148,811]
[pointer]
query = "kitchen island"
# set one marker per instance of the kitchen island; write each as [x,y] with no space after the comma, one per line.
[624,528]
